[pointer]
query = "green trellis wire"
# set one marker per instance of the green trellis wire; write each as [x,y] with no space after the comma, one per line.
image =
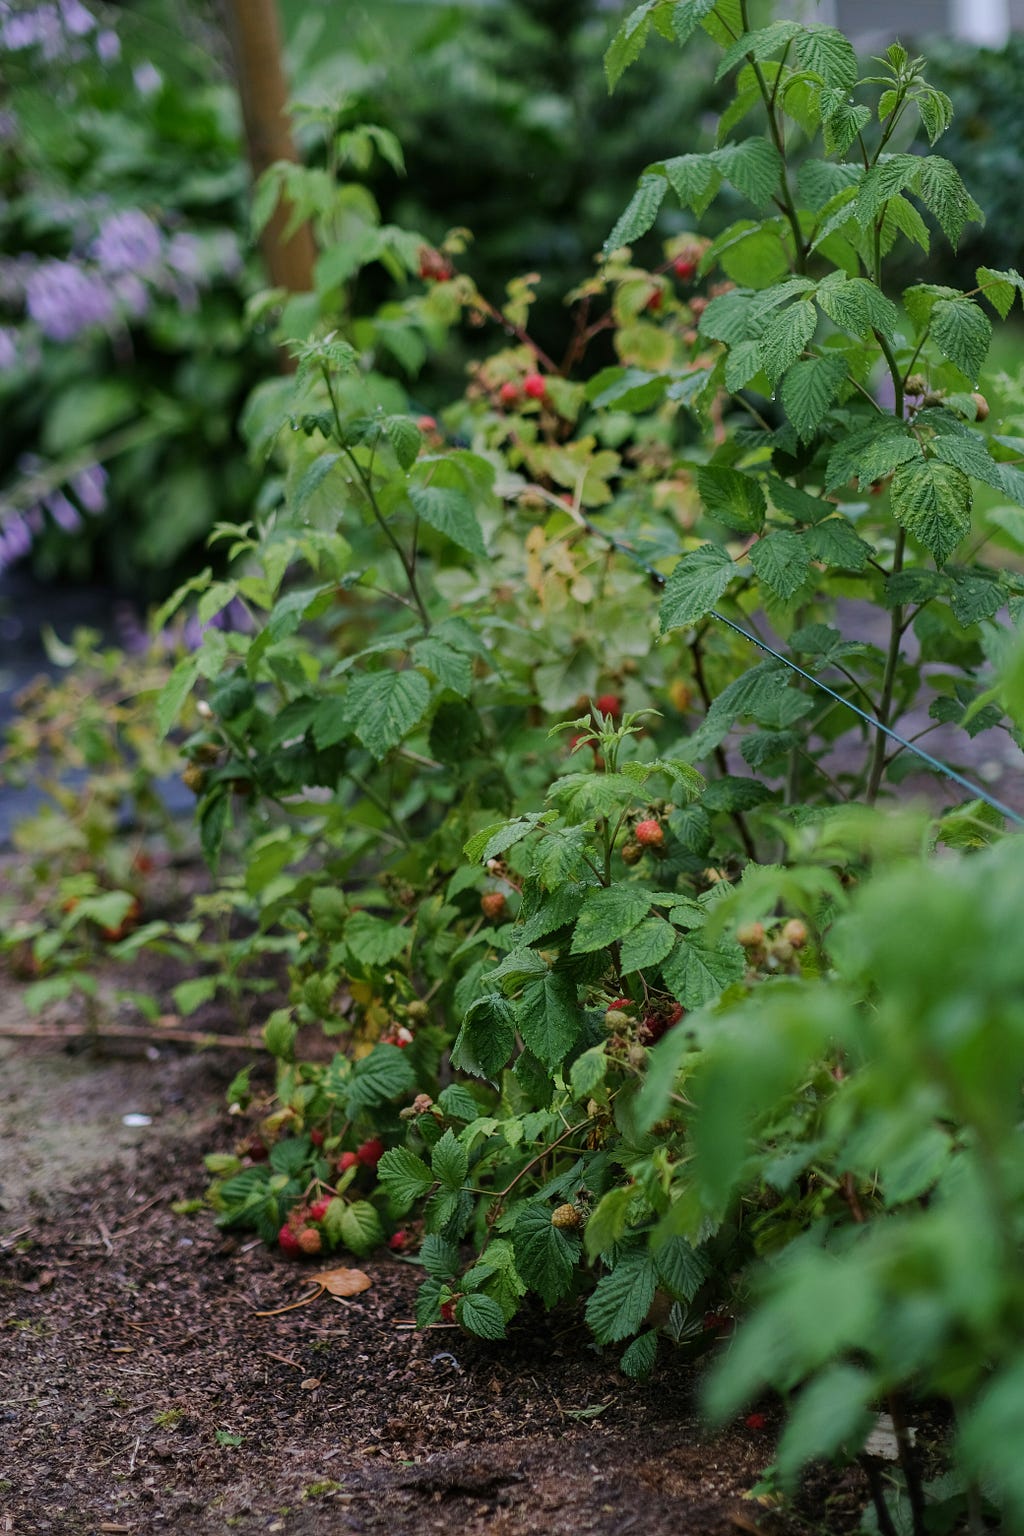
[762,645]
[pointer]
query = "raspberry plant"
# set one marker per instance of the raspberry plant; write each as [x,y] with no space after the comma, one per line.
[634,994]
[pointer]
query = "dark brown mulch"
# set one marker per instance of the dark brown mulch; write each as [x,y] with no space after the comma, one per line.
[140,1392]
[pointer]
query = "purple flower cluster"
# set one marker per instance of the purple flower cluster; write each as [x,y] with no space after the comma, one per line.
[128,242]
[64,30]
[50,27]
[127,261]
[65,299]
[18,528]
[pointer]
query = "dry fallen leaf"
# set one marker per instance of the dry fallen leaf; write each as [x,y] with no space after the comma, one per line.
[338,1282]
[343,1282]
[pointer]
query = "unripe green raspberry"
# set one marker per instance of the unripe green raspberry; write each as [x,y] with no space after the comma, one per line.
[566,1216]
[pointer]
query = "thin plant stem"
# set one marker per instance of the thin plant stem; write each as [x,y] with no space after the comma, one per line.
[888,682]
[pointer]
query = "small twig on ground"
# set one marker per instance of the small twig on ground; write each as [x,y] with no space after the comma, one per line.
[132,1032]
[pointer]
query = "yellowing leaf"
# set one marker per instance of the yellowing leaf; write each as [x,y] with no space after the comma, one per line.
[343,1282]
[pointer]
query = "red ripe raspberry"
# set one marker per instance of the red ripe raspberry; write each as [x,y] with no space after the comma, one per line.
[508,394]
[649,834]
[448,1311]
[398,1240]
[659,1021]
[426,423]
[621,1002]
[256,1148]
[654,303]
[493,905]
[397,1035]
[755,1421]
[434,268]
[684,267]
[370,1153]
[609,704]
[347,1160]
[288,1242]
[534,387]
[317,1138]
[318,1210]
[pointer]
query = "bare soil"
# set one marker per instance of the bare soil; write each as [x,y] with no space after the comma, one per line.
[141,1391]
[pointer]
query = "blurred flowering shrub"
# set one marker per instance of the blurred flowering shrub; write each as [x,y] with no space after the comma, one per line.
[123,354]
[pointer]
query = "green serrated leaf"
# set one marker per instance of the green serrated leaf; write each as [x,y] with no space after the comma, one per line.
[587,1072]
[890,176]
[754,167]
[999,288]
[808,389]
[688,15]
[936,111]
[405,1177]
[932,501]
[695,586]
[172,696]
[480,1315]
[842,120]
[976,595]
[856,305]
[732,498]
[682,1269]
[640,213]
[835,542]
[550,1019]
[872,454]
[439,1258]
[941,189]
[698,973]
[372,941]
[383,1075]
[385,706]
[829,54]
[638,1360]
[279,1032]
[450,1161]
[622,1298]
[487,1037]
[754,690]
[782,561]
[648,944]
[452,669]
[963,333]
[360,1229]
[496,839]
[758,44]
[450,512]
[607,915]
[785,337]
[731,317]
[405,438]
[627,44]
[546,1256]
[694,179]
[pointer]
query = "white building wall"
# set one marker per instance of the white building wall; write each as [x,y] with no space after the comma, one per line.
[872,24]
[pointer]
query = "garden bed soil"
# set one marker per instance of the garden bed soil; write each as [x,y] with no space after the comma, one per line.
[141,1391]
